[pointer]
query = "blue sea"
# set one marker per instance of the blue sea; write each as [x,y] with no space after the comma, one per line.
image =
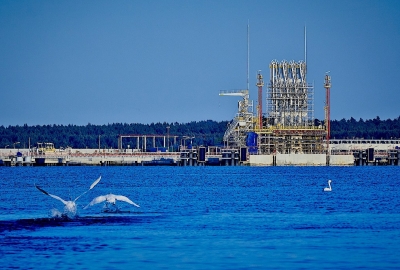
[202,218]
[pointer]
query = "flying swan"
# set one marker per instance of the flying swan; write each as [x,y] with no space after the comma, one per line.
[328,188]
[70,206]
[110,199]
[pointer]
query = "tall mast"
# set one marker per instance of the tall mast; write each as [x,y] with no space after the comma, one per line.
[260,84]
[305,47]
[248,54]
[327,86]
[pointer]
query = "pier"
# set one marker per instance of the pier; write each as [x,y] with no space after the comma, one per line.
[201,156]
[341,153]
[368,152]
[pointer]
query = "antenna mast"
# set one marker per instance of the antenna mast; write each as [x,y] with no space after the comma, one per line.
[248,54]
[305,48]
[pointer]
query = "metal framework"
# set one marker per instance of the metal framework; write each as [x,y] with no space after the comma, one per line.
[290,98]
[142,144]
[242,124]
[290,126]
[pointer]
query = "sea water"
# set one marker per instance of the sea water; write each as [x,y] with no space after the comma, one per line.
[202,218]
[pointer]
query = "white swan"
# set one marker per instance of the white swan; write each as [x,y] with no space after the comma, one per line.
[70,206]
[110,199]
[328,188]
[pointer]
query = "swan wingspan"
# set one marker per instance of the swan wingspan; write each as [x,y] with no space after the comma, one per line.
[125,199]
[51,195]
[111,199]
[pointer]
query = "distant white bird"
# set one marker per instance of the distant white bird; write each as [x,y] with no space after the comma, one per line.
[110,199]
[328,188]
[70,206]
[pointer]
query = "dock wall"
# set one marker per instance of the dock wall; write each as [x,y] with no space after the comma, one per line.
[301,159]
[261,160]
[288,160]
[341,160]
[225,157]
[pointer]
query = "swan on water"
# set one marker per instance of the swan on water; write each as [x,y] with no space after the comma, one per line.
[328,188]
[69,206]
[110,199]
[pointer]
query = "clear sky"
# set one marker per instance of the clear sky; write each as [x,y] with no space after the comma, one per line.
[149,61]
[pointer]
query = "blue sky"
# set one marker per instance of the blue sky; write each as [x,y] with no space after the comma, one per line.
[100,62]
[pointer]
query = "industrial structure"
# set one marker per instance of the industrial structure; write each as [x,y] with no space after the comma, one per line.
[287,127]
[286,133]
[243,123]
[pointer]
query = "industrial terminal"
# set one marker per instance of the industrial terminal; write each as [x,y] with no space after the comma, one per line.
[284,135]
[280,131]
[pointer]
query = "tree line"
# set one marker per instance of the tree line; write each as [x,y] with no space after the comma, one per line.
[106,136]
[207,133]
[366,129]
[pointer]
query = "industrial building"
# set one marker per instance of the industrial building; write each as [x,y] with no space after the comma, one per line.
[286,133]
[287,126]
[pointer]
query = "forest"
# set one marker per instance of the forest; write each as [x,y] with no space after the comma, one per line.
[207,133]
[106,136]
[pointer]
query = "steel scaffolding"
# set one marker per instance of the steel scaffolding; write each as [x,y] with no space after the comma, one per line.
[289,126]
[243,123]
[290,98]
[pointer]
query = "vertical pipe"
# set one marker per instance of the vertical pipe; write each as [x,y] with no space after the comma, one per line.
[248,54]
[260,84]
[328,109]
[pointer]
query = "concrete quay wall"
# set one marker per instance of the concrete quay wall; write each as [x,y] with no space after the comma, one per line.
[91,157]
[115,157]
[300,160]
[341,160]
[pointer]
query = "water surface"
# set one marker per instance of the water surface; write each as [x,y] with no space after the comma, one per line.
[203,218]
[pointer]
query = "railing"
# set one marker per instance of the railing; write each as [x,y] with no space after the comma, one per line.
[364,141]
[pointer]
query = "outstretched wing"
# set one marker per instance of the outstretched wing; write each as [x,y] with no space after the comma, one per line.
[95,183]
[51,195]
[125,199]
[96,200]
[91,186]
